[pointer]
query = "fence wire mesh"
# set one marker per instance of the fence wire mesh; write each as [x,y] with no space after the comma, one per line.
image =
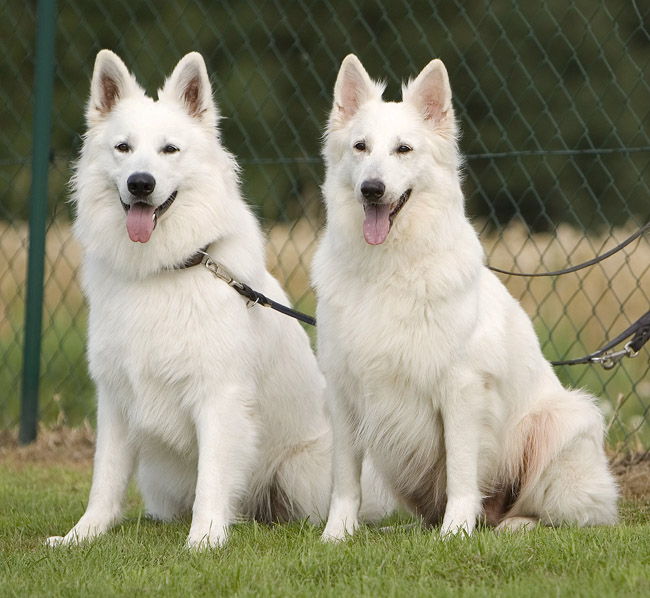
[553,99]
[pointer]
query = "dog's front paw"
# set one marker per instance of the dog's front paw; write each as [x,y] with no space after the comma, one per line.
[203,539]
[84,530]
[70,539]
[453,528]
[460,517]
[338,530]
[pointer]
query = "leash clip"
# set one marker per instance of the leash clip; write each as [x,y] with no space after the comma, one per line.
[222,274]
[251,295]
[217,269]
[611,358]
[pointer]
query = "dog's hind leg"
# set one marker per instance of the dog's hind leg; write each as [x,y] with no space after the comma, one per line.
[304,480]
[565,474]
[576,487]
[166,483]
[515,524]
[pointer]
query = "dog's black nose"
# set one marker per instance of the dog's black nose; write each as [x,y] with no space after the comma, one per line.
[141,184]
[373,189]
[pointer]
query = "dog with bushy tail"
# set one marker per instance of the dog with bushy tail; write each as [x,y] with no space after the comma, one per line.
[432,367]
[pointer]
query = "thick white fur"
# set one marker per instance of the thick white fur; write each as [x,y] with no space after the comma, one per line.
[431,366]
[218,407]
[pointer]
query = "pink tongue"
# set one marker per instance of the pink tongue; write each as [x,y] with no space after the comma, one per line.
[377,223]
[140,222]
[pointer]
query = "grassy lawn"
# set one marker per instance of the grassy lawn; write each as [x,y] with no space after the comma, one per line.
[42,495]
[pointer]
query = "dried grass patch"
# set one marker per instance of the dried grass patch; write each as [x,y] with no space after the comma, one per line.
[74,448]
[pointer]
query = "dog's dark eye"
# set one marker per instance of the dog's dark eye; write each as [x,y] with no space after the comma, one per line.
[122,147]
[170,149]
[404,149]
[360,146]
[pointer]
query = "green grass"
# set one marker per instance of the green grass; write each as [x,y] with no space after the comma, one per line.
[143,558]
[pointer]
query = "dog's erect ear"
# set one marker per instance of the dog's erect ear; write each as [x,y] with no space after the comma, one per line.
[190,85]
[111,83]
[431,93]
[353,88]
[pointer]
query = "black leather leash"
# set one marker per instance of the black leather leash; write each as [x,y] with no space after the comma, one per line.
[605,356]
[640,329]
[254,297]
[577,267]
[608,358]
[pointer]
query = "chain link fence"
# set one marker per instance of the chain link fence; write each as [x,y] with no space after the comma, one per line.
[554,103]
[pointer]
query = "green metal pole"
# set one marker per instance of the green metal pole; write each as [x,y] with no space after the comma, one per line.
[43,82]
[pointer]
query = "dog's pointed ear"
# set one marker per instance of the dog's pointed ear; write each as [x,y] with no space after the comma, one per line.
[111,82]
[353,88]
[189,84]
[431,93]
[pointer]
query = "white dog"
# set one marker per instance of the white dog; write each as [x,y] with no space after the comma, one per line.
[431,366]
[218,407]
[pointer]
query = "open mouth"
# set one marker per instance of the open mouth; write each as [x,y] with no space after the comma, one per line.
[159,211]
[398,205]
[379,218]
[142,218]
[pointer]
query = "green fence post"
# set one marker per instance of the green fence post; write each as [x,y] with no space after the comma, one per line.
[43,81]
